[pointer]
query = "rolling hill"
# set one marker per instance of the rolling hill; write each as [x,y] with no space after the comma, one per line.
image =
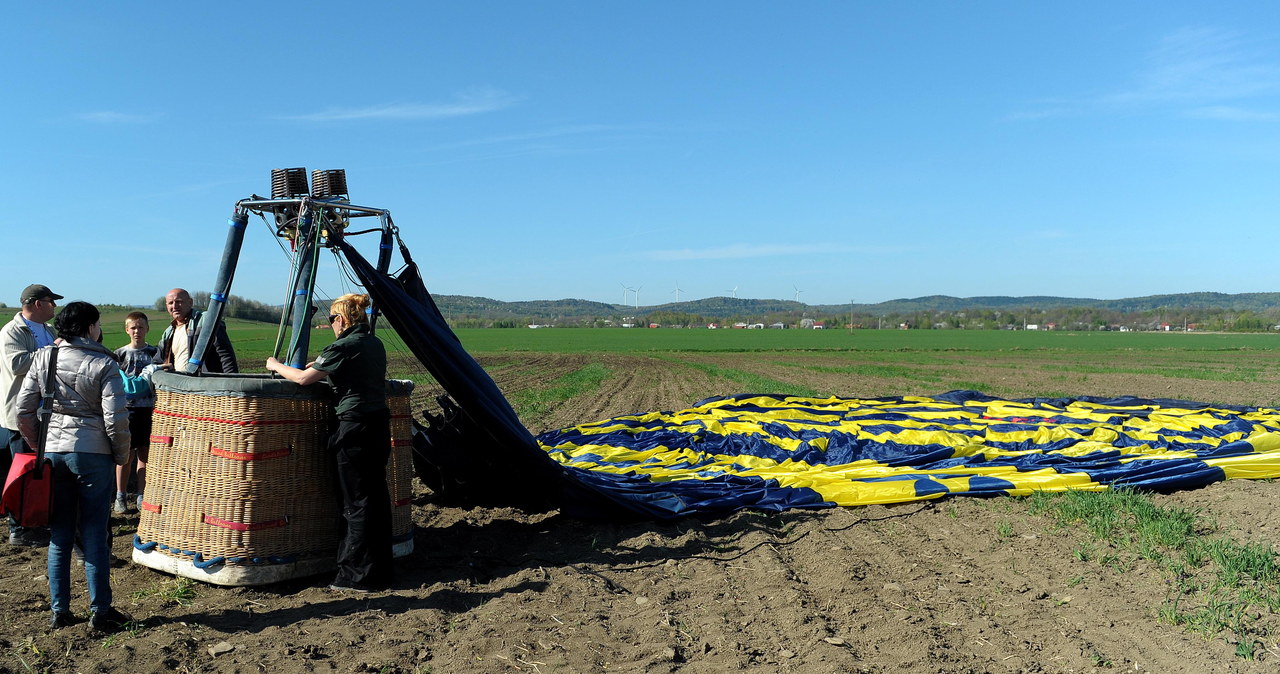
[460,306]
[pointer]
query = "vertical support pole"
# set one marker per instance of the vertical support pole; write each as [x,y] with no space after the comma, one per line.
[221,289]
[304,284]
[384,262]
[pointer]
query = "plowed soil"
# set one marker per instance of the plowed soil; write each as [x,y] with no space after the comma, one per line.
[961,585]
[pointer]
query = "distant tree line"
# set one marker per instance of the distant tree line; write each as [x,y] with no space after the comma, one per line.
[237,307]
[1215,319]
[1066,318]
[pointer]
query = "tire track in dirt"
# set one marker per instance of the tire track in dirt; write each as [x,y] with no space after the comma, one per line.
[778,615]
[987,590]
[639,385]
[863,583]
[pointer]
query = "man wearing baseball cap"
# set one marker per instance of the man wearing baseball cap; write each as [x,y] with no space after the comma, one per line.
[19,340]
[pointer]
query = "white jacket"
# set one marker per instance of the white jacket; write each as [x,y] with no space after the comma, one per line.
[89,413]
[17,345]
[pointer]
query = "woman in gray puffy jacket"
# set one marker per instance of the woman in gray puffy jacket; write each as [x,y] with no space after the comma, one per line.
[88,436]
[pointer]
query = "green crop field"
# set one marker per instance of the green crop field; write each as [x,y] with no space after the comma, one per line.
[255,341]
[587,340]
[1236,368]
[1240,368]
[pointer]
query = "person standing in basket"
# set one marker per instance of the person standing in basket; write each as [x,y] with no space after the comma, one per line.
[356,364]
[86,437]
[19,340]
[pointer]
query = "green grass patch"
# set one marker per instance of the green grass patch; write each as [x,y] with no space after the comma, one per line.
[870,370]
[970,386]
[533,403]
[750,382]
[1208,373]
[1216,585]
[176,592]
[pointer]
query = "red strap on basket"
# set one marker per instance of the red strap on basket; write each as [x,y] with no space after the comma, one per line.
[162,439]
[402,442]
[239,526]
[402,502]
[150,507]
[249,456]
[235,422]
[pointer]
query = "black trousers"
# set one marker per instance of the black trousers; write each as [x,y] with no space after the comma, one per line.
[362,447]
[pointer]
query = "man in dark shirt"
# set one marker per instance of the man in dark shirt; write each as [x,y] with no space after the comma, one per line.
[180,338]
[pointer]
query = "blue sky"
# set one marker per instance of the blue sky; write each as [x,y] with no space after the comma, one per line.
[853,151]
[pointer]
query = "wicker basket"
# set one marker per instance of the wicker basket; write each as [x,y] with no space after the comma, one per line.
[240,488]
[400,467]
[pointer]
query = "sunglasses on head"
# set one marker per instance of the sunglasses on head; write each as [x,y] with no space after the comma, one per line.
[332,316]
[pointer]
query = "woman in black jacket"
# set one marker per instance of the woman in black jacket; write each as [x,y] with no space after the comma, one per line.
[356,363]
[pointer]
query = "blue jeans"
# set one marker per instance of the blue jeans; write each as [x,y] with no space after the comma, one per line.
[83,485]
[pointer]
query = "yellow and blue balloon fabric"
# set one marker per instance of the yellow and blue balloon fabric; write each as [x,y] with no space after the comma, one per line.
[774,452]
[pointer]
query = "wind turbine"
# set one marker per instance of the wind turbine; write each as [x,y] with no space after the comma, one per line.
[798,291]
[625,290]
[677,291]
[735,292]
[637,292]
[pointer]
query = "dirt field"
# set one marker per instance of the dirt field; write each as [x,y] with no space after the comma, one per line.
[942,586]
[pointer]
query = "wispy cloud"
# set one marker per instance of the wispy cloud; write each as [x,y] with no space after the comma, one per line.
[536,136]
[115,117]
[1200,65]
[1200,72]
[742,250]
[1230,113]
[470,102]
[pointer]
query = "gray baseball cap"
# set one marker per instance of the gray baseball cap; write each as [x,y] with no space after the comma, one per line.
[37,291]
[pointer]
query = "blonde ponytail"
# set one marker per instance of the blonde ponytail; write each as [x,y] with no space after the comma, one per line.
[351,307]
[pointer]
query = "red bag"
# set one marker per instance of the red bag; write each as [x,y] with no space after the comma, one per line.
[28,492]
[27,495]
